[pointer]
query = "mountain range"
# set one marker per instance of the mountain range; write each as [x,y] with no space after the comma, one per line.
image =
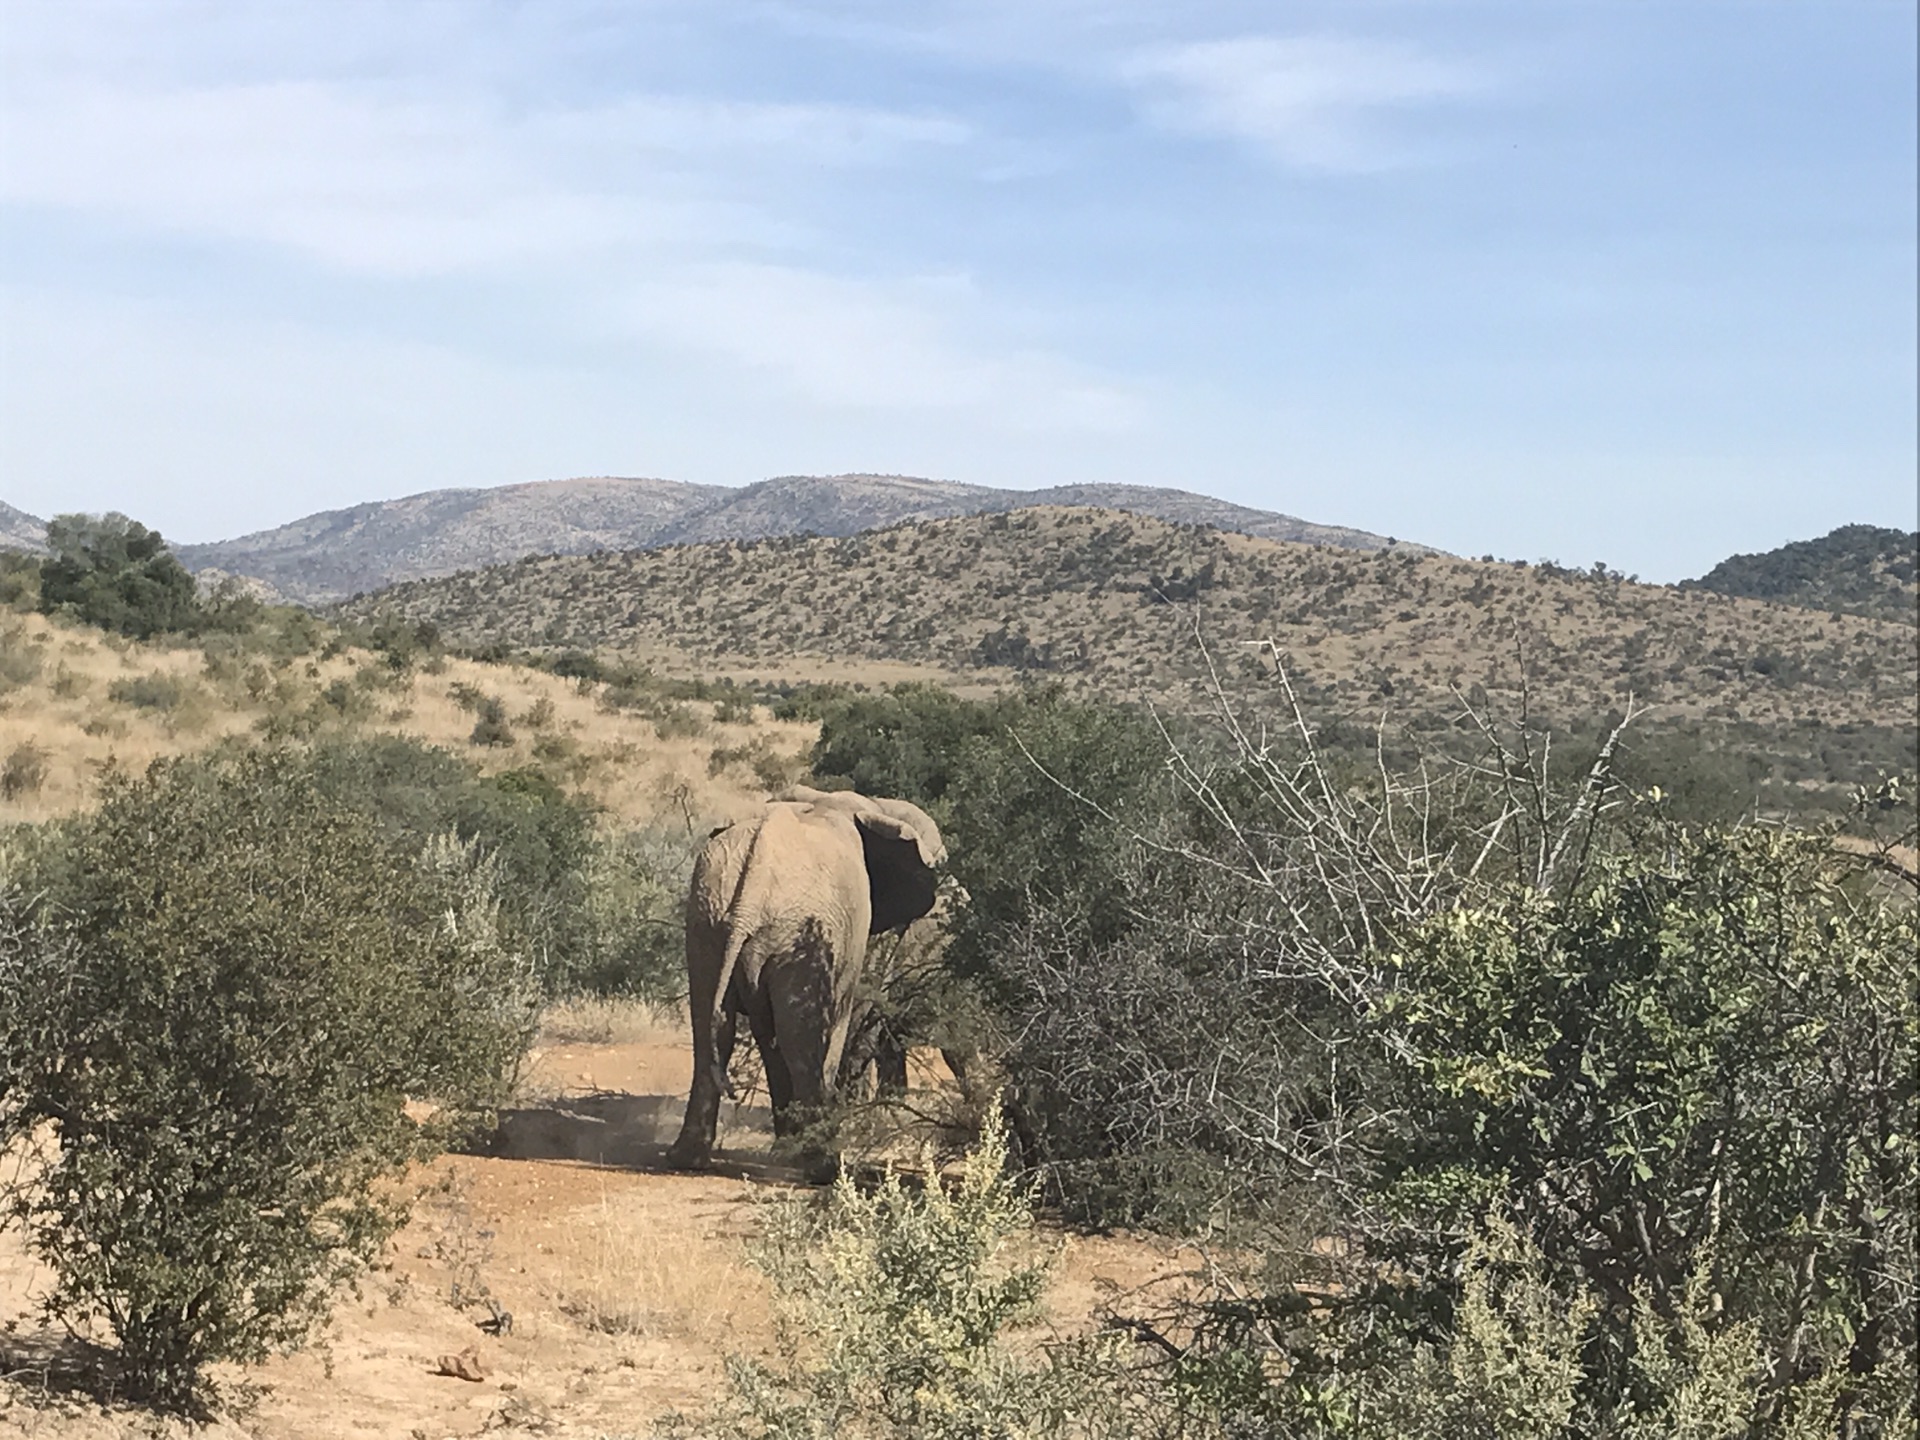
[327,557]
[330,556]
[337,553]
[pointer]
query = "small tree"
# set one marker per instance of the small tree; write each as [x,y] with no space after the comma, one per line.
[232,987]
[115,573]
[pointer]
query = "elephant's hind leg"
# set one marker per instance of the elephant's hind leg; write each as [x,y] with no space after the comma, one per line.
[712,1047]
[810,1035]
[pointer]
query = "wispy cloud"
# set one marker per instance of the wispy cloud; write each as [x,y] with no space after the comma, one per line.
[872,344]
[408,186]
[1310,102]
[714,199]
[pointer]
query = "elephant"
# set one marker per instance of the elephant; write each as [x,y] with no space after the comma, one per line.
[779,913]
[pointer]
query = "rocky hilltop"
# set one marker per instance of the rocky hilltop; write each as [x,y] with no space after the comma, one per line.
[337,553]
[21,531]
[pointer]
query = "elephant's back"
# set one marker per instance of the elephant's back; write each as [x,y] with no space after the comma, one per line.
[790,851]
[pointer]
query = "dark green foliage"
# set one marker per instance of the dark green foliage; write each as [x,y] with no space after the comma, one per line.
[997,776]
[1251,982]
[19,579]
[540,839]
[22,657]
[149,692]
[1857,569]
[232,984]
[25,771]
[114,572]
[490,725]
[400,644]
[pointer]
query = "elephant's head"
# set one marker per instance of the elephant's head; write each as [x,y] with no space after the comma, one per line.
[902,847]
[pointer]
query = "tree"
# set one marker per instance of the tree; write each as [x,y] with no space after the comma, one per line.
[115,573]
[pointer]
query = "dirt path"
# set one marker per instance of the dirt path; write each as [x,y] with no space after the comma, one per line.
[625,1282]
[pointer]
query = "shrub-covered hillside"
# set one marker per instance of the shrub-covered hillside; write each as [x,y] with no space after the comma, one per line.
[1106,603]
[1856,570]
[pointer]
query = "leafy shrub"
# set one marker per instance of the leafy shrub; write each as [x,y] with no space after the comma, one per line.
[894,1308]
[1347,1011]
[490,725]
[1708,1049]
[231,988]
[19,580]
[635,893]
[109,571]
[20,658]
[149,692]
[595,911]
[25,771]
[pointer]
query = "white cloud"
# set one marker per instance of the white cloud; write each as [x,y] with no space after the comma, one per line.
[409,186]
[1312,102]
[870,344]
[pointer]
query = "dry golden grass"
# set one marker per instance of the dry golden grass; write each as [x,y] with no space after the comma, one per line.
[59,701]
[615,1273]
[606,1020]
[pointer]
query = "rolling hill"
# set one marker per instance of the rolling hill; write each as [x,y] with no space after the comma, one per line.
[1108,601]
[337,553]
[1856,570]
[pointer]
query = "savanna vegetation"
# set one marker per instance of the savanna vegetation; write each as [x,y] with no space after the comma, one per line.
[263,944]
[1509,1074]
[1857,570]
[1514,1099]
[1811,703]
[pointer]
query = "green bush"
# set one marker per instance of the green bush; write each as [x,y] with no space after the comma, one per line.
[109,571]
[21,659]
[230,986]
[895,1310]
[25,771]
[149,692]
[1344,1011]
[590,908]
[19,580]
[490,725]
[1708,1050]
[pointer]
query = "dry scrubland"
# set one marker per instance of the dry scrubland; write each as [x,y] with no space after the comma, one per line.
[626,1282]
[75,702]
[1084,595]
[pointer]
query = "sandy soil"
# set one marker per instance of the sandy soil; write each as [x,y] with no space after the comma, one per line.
[625,1282]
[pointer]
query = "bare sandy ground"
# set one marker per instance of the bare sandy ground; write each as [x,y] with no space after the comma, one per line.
[625,1281]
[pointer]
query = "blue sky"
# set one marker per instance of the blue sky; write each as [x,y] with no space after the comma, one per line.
[1606,281]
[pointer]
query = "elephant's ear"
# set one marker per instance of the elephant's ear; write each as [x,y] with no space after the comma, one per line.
[902,849]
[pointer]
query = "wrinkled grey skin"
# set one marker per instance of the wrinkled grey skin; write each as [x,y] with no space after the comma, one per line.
[778,917]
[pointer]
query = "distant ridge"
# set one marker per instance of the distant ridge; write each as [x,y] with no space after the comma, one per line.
[336,553]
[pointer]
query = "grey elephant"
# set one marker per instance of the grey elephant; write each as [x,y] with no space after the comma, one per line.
[778,917]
